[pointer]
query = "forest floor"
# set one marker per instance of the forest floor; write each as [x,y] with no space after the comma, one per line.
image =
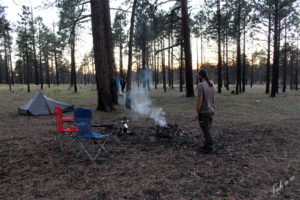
[257,148]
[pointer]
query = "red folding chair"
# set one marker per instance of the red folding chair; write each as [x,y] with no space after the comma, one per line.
[64,135]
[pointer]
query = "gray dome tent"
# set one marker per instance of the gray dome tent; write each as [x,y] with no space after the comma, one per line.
[42,105]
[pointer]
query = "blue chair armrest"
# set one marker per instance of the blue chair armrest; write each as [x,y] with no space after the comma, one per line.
[105,125]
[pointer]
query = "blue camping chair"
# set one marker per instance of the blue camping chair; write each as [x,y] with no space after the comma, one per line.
[85,135]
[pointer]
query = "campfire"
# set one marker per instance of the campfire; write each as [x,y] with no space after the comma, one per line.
[169,131]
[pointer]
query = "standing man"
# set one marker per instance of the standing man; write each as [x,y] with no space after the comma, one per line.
[205,109]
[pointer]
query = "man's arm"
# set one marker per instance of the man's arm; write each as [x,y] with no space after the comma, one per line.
[199,103]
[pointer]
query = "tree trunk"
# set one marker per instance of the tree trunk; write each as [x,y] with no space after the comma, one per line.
[85,74]
[36,76]
[101,55]
[278,47]
[181,69]
[121,65]
[238,51]
[155,68]
[144,56]
[11,65]
[187,50]
[296,74]
[55,56]
[202,56]
[172,65]
[251,78]
[138,71]
[284,60]
[274,87]
[291,72]
[226,64]
[47,69]
[219,50]
[129,71]
[197,62]
[268,57]
[40,55]
[73,67]
[163,64]
[244,58]
[41,71]
[169,62]
[7,78]
[10,71]
[110,49]
[224,61]
[1,80]
[27,62]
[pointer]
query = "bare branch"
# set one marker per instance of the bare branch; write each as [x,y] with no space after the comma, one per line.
[175,45]
[119,9]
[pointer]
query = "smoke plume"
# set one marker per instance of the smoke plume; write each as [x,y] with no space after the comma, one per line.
[142,104]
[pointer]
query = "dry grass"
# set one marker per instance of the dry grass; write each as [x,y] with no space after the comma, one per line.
[257,146]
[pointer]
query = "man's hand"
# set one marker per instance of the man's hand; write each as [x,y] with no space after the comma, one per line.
[196,117]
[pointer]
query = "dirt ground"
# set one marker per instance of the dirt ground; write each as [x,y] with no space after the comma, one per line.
[257,147]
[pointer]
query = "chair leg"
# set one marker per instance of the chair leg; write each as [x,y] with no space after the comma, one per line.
[92,154]
[101,145]
[83,148]
[63,139]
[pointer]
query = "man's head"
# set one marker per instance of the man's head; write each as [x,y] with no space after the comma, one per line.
[202,75]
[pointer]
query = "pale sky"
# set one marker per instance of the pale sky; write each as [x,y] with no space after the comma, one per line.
[84,43]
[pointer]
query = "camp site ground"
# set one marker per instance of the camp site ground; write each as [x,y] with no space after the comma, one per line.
[257,150]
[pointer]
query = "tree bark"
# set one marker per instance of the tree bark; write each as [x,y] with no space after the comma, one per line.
[274,87]
[110,49]
[219,50]
[226,63]
[155,68]
[36,76]
[278,47]
[163,65]
[172,65]
[129,71]
[1,80]
[10,71]
[121,64]
[101,55]
[187,50]
[73,67]
[296,74]
[291,70]
[47,69]
[169,62]
[197,61]
[251,78]
[55,57]
[144,48]
[7,78]
[244,58]
[268,57]
[284,60]
[181,69]
[27,62]
[238,59]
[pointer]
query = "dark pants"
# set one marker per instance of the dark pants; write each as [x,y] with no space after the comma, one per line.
[205,121]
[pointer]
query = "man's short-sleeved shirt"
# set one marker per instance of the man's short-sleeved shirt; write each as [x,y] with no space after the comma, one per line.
[208,94]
